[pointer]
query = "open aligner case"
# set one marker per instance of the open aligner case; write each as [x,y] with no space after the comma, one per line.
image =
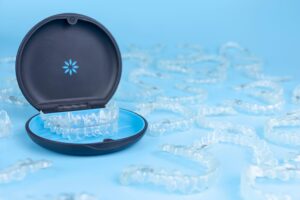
[88,82]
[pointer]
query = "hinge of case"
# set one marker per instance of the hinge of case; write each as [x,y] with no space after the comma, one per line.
[72,107]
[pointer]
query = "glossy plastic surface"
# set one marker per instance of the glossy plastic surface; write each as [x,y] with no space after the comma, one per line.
[68,62]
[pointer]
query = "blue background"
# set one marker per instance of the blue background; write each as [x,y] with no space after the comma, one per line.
[269,28]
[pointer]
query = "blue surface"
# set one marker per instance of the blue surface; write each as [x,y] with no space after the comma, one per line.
[269,28]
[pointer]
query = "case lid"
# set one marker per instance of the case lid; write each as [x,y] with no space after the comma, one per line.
[68,62]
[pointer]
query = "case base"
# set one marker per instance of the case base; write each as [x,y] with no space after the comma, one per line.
[131,128]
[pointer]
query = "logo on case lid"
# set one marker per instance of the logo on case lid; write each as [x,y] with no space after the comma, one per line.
[70,67]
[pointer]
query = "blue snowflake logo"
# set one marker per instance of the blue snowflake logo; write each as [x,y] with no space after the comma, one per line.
[70,67]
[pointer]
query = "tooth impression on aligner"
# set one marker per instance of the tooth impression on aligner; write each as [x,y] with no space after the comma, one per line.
[5,124]
[174,181]
[242,136]
[76,126]
[249,190]
[274,133]
[12,96]
[272,95]
[296,95]
[21,169]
